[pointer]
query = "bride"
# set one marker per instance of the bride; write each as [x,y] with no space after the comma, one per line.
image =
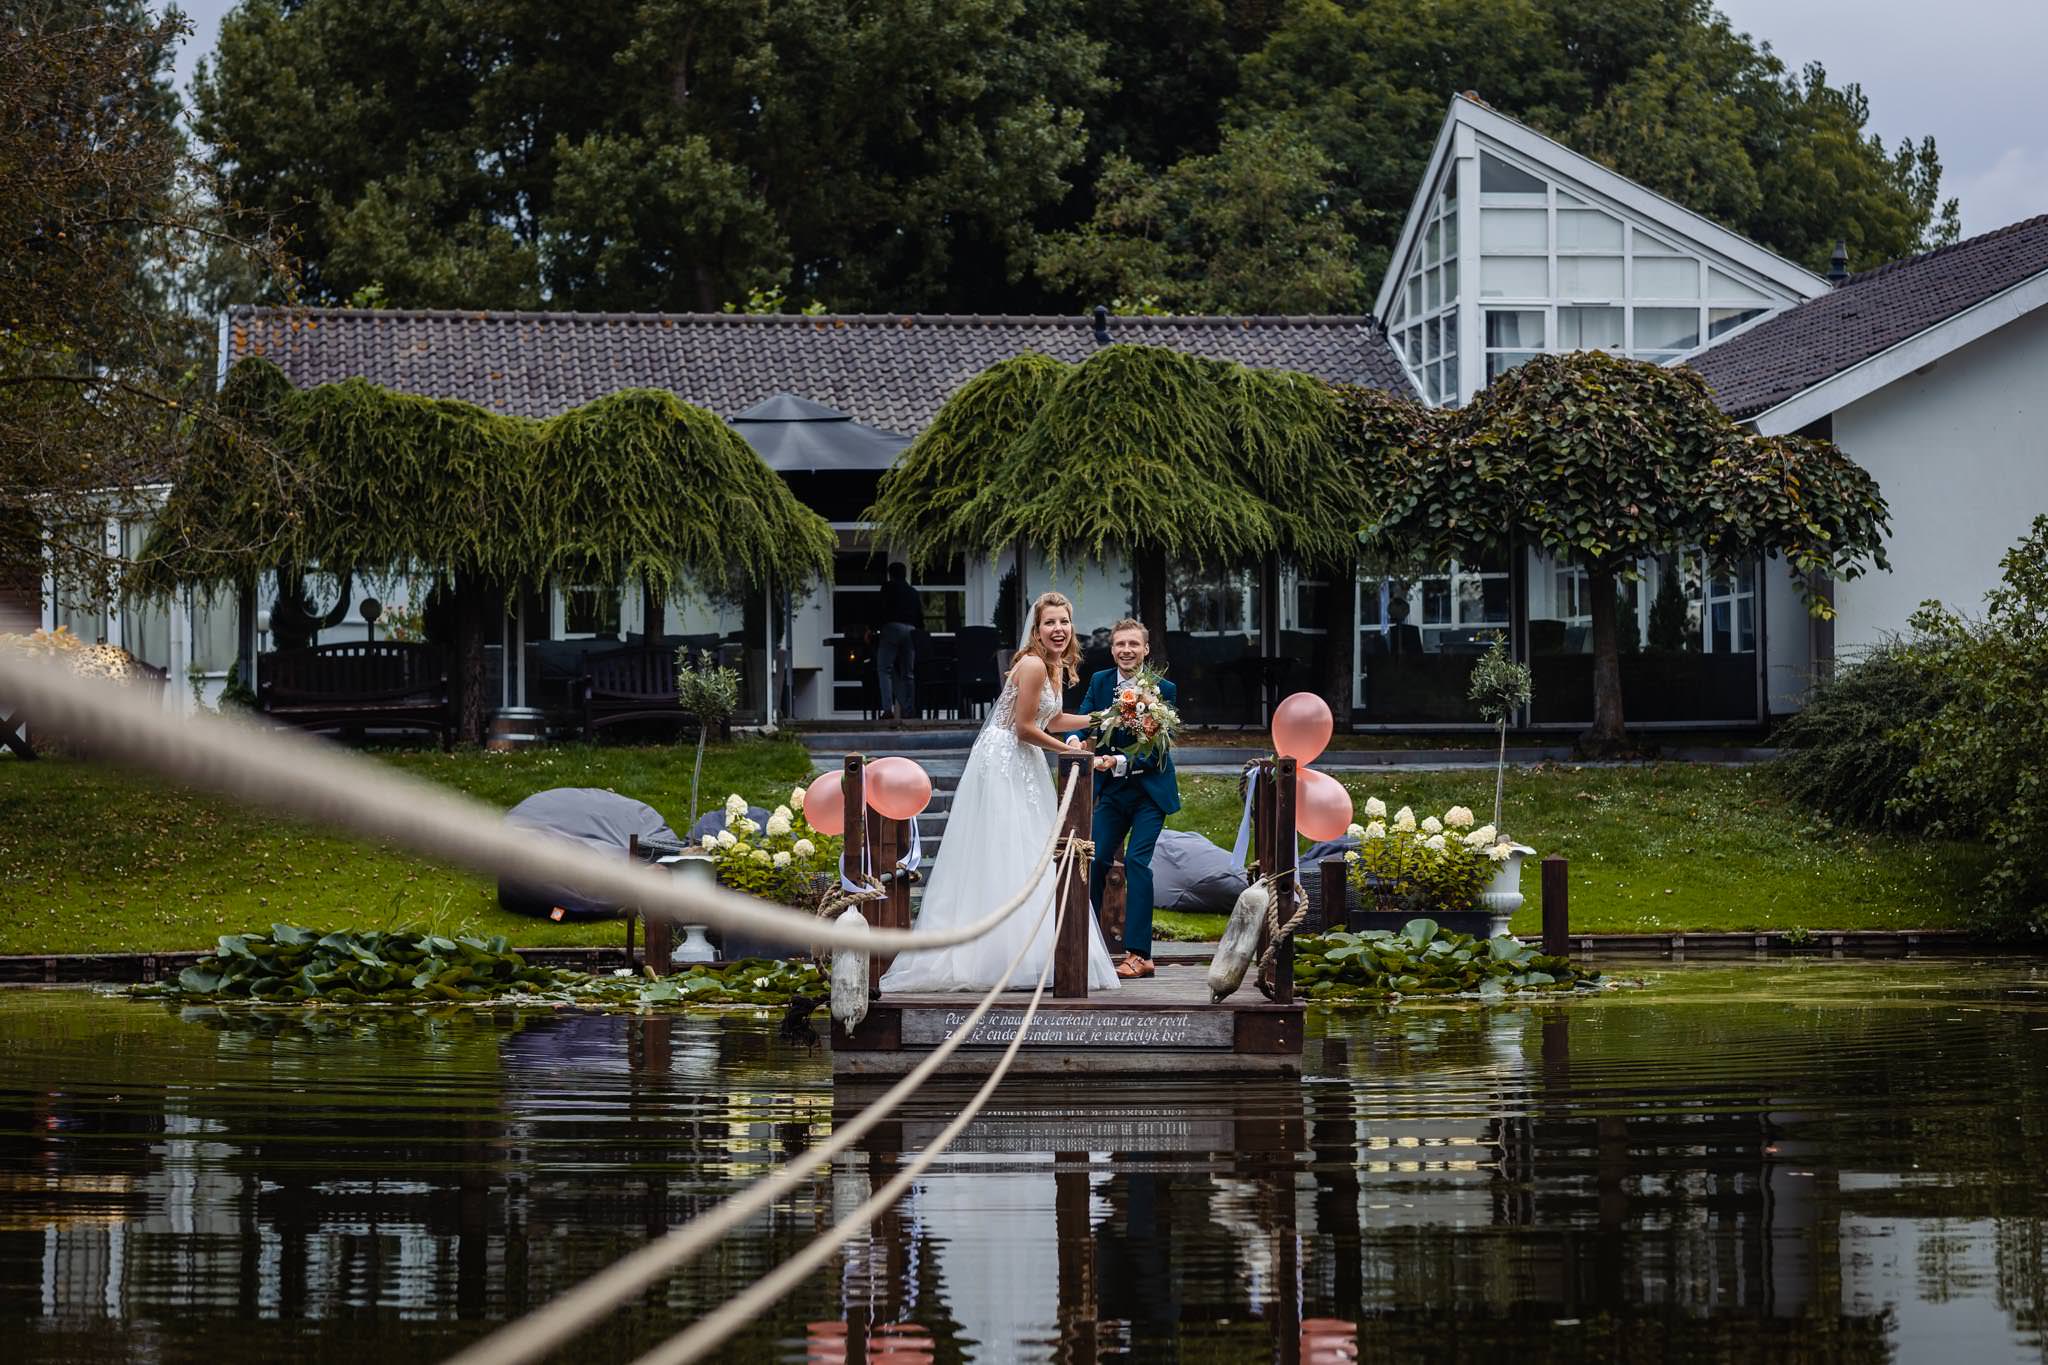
[1002,817]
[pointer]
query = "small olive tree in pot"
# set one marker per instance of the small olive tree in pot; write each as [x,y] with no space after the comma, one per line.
[710,693]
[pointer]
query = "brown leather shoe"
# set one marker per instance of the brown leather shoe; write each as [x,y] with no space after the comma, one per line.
[1134,967]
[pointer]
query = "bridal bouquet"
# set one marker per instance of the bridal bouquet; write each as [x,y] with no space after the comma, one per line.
[1137,721]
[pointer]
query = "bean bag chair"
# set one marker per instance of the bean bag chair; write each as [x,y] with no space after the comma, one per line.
[1191,873]
[597,819]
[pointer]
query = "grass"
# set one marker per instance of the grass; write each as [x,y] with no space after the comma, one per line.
[1673,846]
[92,860]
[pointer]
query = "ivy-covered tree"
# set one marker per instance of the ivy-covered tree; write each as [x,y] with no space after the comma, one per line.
[1602,463]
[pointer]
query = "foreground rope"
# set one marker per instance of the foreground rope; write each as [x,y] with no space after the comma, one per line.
[542,1331]
[292,773]
[1277,930]
[710,1331]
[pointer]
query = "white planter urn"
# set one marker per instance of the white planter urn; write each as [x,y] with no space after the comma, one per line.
[1503,895]
[694,947]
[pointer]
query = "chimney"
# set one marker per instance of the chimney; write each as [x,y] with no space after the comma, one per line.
[1838,264]
[1102,336]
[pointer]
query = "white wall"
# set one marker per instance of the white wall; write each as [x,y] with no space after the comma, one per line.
[1960,451]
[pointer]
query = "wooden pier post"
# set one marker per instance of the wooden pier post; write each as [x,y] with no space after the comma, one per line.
[853,800]
[1284,889]
[1336,883]
[661,930]
[888,842]
[1557,919]
[1070,951]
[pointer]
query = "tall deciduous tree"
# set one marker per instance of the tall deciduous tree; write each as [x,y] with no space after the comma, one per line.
[665,154]
[103,212]
[1602,463]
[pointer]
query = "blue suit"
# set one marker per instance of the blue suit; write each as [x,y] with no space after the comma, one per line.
[1130,811]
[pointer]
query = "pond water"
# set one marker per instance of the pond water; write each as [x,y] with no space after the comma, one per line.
[1806,1161]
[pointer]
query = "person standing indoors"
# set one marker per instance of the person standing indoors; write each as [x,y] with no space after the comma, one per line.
[902,616]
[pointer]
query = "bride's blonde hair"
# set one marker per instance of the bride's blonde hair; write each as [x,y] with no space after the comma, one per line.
[1064,668]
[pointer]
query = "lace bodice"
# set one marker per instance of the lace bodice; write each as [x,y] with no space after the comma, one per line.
[998,746]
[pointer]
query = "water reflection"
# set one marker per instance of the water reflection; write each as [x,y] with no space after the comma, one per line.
[1793,1162]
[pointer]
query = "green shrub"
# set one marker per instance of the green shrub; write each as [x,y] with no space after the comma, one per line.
[1983,766]
[1848,753]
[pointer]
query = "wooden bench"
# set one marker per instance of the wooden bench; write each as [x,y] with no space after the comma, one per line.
[634,683]
[391,683]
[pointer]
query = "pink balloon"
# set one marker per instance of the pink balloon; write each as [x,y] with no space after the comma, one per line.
[898,788]
[825,803]
[1322,808]
[1301,727]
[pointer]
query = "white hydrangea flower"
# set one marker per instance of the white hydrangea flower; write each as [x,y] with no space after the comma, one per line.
[1351,856]
[744,827]
[1485,834]
[726,838]
[1432,825]
[1375,809]
[711,841]
[735,806]
[742,846]
[778,825]
[761,855]
[803,848]
[1376,830]
[782,860]
[1354,830]
[1434,843]
[1499,852]
[785,812]
[1458,817]
[1404,820]
[796,798]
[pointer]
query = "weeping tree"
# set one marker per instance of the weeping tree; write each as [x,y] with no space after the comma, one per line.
[1142,450]
[1602,463]
[634,485]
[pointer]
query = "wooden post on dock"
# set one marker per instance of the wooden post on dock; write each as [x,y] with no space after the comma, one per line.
[1336,898]
[853,800]
[1284,889]
[1557,919]
[888,842]
[1070,951]
[661,930]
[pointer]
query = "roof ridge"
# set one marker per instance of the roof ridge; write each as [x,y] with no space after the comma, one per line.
[1947,249]
[248,310]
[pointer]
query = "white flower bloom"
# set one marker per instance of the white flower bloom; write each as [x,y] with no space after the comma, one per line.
[803,848]
[742,846]
[761,855]
[1354,830]
[785,812]
[1432,825]
[1375,809]
[1404,820]
[782,860]
[778,825]
[735,806]
[796,798]
[1376,830]
[1499,852]
[726,838]
[1458,817]
[1351,856]
[1434,843]
[1485,834]
[744,827]
[711,841]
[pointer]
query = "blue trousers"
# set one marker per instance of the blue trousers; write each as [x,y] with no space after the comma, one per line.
[1123,812]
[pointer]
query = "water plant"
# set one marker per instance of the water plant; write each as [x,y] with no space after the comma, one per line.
[1425,959]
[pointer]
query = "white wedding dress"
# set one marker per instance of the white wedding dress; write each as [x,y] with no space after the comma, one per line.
[1002,816]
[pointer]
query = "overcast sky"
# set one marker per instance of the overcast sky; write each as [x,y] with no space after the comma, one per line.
[1967,71]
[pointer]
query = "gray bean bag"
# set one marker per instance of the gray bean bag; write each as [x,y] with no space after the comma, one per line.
[596,818]
[1191,873]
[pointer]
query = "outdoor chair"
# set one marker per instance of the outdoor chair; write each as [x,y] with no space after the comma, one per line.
[394,684]
[979,681]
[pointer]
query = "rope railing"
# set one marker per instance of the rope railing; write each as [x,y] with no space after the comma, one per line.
[546,1328]
[287,772]
[711,1330]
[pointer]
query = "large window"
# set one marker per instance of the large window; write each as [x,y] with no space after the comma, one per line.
[1419,638]
[590,609]
[1424,318]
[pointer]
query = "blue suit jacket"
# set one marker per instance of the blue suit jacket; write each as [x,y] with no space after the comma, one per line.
[1153,776]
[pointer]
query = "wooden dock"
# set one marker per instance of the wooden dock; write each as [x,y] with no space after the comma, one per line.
[1162,1026]
[1165,1025]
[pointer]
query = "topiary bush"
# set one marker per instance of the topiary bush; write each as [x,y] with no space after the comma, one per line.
[1850,751]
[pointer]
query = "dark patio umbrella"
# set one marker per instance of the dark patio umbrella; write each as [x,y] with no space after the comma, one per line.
[797,436]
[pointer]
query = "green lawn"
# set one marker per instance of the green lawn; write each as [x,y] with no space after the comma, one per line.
[91,860]
[95,860]
[1673,846]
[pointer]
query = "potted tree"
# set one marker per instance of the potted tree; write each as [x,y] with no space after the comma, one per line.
[1501,687]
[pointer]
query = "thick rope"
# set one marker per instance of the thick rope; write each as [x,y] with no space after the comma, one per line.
[543,1330]
[710,1331]
[1278,931]
[287,772]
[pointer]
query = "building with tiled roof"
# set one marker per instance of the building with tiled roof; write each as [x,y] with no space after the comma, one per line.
[1927,371]
[891,371]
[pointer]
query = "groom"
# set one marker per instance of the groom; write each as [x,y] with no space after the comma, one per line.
[1133,797]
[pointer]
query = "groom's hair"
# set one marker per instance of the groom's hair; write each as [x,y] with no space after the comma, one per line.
[1131,623]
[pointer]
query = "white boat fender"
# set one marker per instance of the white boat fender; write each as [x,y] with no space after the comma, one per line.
[1240,940]
[850,975]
